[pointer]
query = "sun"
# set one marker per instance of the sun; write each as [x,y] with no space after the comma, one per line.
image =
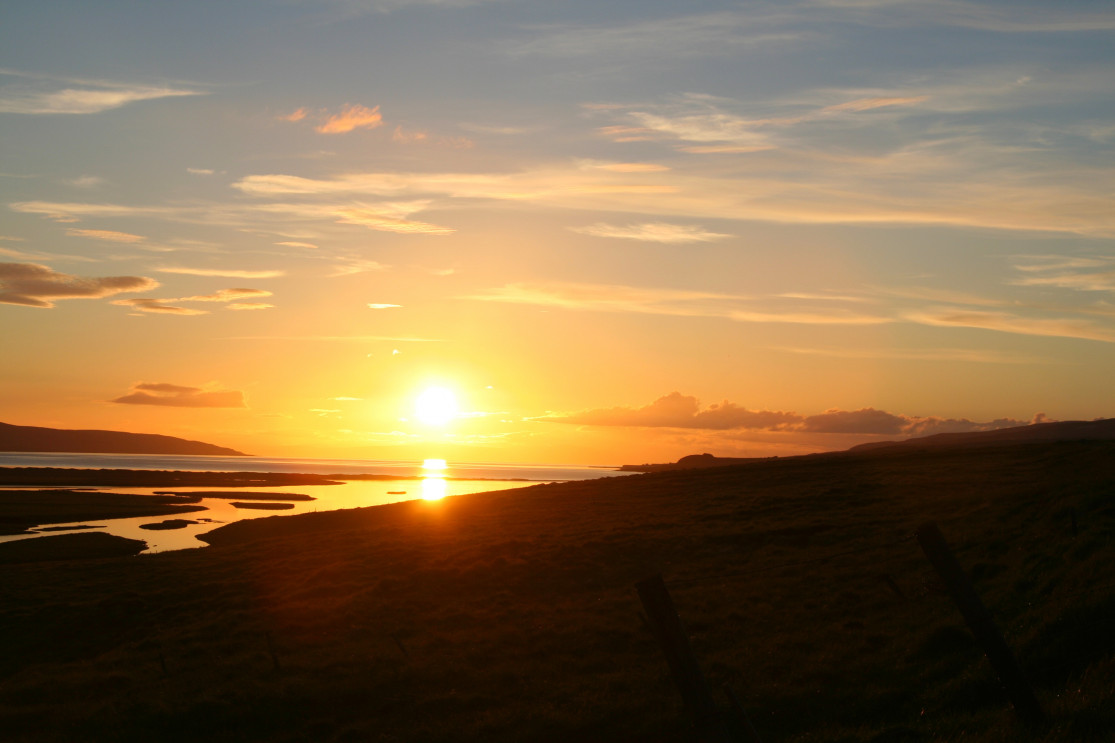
[436,406]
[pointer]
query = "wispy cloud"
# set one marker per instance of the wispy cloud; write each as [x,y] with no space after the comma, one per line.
[225,295]
[951,182]
[228,273]
[296,244]
[338,338]
[351,117]
[295,116]
[612,298]
[815,317]
[393,217]
[43,94]
[34,285]
[106,235]
[940,355]
[231,297]
[351,265]
[618,167]
[382,306]
[677,302]
[867,104]
[785,23]
[1079,273]
[422,137]
[1005,322]
[178,396]
[86,181]
[678,35]
[158,307]
[660,232]
[1011,18]
[75,211]
[248,306]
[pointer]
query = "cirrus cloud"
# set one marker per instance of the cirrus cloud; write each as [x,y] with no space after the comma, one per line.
[44,94]
[659,232]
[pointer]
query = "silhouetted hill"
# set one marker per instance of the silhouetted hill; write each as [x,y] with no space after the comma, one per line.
[35,438]
[1097,430]
[691,461]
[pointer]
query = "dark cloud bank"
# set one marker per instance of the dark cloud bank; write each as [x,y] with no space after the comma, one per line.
[676,410]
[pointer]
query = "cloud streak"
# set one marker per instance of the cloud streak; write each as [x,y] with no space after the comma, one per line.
[176,396]
[659,232]
[40,94]
[677,302]
[350,118]
[228,273]
[230,296]
[35,285]
[1004,322]
[106,235]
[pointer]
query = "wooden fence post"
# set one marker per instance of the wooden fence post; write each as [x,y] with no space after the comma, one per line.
[667,627]
[980,623]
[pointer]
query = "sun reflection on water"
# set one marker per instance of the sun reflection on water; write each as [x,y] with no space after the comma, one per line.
[434,486]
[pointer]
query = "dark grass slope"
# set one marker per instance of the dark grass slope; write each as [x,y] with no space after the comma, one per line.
[512,616]
[65,547]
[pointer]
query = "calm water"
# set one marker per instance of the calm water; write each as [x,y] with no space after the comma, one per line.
[436,482]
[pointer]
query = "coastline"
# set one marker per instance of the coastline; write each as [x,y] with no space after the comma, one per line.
[38,503]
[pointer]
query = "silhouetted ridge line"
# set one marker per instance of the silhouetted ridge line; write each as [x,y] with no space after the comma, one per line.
[38,439]
[1097,430]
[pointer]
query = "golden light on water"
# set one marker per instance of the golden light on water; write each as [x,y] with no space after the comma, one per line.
[434,486]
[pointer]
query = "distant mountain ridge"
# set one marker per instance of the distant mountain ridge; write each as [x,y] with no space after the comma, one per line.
[1102,429]
[1097,430]
[38,439]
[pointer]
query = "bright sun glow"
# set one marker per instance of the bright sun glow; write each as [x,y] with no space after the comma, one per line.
[434,488]
[434,464]
[436,406]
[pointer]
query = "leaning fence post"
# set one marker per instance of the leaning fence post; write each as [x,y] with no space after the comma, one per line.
[742,720]
[980,623]
[667,627]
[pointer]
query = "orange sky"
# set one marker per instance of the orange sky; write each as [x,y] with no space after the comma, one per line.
[617,234]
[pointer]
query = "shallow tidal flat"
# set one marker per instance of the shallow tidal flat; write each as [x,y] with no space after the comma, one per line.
[22,509]
[513,616]
[33,511]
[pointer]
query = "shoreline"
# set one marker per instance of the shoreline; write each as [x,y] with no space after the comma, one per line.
[92,477]
[35,500]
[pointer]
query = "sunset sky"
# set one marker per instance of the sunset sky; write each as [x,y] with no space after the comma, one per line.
[613,231]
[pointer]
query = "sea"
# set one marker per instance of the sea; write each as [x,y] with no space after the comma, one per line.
[436,479]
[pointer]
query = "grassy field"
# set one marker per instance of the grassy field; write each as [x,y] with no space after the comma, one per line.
[513,616]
